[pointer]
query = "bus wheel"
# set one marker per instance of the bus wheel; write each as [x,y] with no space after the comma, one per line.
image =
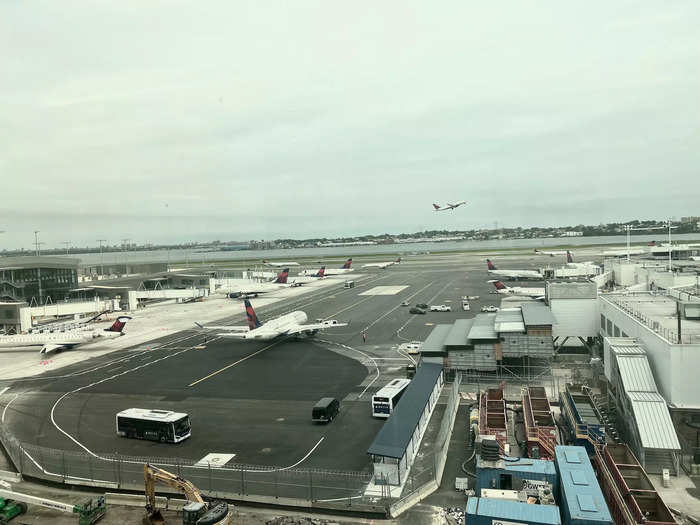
[162,439]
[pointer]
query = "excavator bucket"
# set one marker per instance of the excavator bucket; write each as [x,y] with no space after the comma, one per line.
[153,518]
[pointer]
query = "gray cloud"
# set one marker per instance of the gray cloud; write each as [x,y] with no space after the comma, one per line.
[167,121]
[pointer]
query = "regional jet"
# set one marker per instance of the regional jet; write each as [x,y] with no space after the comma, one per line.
[513,274]
[280,264]
[551,253]
[57,341]
[382,265]
[449,206]
[285,325]
[243,289]
[571,264]
[331,271]
[535,293]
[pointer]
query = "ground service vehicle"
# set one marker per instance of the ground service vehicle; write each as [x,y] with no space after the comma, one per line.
[196,512]
[349,284]
[416,310]
[13,504]
[386,399]
[422,305]
[325,410]
[405,303]
[440,308]
[157,425]
[465,304]
[489,308]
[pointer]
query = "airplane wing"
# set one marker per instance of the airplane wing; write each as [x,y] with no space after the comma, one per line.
[225,328]
[313,327]
[49,348]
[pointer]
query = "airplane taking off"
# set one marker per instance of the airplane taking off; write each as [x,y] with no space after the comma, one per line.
[551,253]
[382,265]
[331,271]
[280,264]
[513,274]
[449,206]
[535,293]
[288,324]
[57,341]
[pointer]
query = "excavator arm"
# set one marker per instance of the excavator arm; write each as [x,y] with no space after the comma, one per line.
[152,475]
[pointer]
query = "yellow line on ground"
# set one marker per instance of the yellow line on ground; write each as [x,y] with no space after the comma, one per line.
[233,364]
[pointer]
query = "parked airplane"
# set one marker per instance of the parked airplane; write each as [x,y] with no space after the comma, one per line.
[382,265]
[285,325]
[571,264]
[551,253]
[245,289]
[513,274]
[57,341]
[331,271]
[280,264]
[449,206]
[535,293]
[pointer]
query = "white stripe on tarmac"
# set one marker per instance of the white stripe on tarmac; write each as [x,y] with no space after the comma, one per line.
[234,364]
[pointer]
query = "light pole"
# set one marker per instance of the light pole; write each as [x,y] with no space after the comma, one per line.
[630,228]
[102,259]
[124,241]
[67,243]
[36,241]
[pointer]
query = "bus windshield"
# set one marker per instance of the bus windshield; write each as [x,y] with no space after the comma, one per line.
[182,426]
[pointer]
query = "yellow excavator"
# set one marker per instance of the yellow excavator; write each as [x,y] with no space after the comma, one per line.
[196,512]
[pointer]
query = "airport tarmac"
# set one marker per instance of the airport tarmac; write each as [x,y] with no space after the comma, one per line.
[253,400]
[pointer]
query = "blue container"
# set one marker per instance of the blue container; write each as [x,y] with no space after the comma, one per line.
[508,475]
[485,511]
[580,497]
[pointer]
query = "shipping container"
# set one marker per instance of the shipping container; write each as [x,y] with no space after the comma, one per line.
[481,511]
[580,497]
[510,475]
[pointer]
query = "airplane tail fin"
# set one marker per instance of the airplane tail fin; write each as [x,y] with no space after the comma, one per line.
[119,324]
[490,264]
[569,257]
[436,206]
[347,264]
[499,285]
[282,277]
[253,321]
[398,260]
[321,272]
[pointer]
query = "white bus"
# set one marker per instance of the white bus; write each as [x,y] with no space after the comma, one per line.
[157,425]
[386,399]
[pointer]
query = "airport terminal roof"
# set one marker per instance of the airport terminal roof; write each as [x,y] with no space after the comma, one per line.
[459,334]
[398,430]
[572,290]
[483,327]
[653,421]
[509,320]
[625,346]
[636,374]
[41,261]
[537,314]
[435,342]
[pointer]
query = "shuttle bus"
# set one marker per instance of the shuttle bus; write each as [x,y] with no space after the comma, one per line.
[156,425]
[386,399]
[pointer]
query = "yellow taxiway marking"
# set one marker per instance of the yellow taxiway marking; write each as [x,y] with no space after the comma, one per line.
[232,364]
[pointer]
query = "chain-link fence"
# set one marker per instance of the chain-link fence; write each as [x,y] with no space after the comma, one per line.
[282,485]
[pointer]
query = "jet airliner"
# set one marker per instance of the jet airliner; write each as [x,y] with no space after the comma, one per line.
[331,271]
[535,293]
[382,265]
[513,274]
[449,206]
[285,325]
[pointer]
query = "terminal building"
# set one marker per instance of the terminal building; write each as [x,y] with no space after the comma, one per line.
[35,280]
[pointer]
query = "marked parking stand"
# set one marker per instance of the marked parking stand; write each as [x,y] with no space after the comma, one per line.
[215,460]
[384,290]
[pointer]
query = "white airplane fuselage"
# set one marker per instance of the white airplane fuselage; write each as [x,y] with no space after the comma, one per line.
[517,274]
[277,327]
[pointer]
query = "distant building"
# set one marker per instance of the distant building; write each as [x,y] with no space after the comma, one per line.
[36,279]
[572,234]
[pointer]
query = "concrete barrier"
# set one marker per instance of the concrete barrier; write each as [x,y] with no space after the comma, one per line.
[12,477]
[406,503]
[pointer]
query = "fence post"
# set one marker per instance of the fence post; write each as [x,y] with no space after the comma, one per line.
[209,465]
[92,475]
[242,481]
[118,473]
[311,486]
[63,465]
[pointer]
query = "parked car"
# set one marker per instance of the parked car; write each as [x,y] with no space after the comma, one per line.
[405,303]
[416,310]
[422,305]
[440,308]
[473,297]
[489,308]
[412,348]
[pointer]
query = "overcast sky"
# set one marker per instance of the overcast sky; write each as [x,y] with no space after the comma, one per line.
[174,121]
